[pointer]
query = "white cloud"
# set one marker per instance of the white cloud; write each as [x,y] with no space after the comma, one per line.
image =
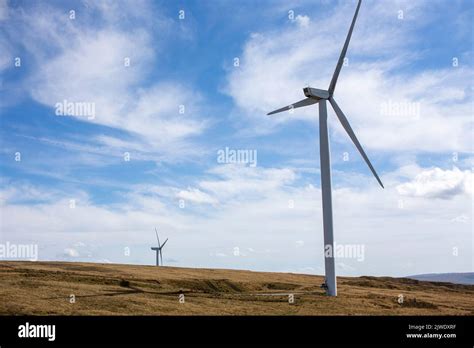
[438,183]
[302,20]
[77,62]
[239,180]
[368,216]
[23,193]
[464,219]
[277,64]
[6,58]
[6,52]
[3,10]
[299,243]
[70,252]
[423,125]
[196,196]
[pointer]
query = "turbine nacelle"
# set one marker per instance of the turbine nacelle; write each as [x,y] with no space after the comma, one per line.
[316,93]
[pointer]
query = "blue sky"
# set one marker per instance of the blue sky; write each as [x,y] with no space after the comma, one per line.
[406,89]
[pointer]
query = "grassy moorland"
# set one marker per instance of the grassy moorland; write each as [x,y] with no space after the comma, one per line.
[45,288]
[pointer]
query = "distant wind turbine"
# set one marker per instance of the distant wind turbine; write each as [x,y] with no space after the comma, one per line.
[320,96]
[159,252]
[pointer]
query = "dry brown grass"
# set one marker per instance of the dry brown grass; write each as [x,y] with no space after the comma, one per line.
[44,288]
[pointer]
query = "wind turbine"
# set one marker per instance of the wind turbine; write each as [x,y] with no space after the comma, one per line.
[320,96]
[159,252]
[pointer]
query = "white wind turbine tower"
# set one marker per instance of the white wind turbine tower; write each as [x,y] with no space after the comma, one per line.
[314,96]
[159,252]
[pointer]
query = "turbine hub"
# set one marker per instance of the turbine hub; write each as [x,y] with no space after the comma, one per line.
[316,93]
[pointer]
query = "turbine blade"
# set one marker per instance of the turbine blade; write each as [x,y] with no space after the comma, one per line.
[301,103]
[158,238]
[345,123]
[162,245]
[332,86]
[161,257]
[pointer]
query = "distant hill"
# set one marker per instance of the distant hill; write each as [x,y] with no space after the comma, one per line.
[455,278]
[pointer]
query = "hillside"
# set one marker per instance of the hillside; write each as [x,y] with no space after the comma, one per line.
[45,288]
